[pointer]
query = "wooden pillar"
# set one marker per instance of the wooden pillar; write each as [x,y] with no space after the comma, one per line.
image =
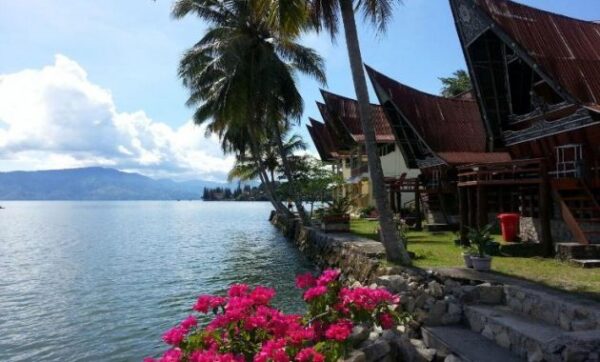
[482,207]
[463,206]
[419,223]
[471,208]
[544,207]
[391,194]
[399,200]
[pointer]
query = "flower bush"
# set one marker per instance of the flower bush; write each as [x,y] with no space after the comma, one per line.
[246,327]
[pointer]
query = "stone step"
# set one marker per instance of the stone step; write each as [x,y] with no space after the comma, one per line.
[568,251]
[587,263]
[465,344]
[567,311]
[530,338]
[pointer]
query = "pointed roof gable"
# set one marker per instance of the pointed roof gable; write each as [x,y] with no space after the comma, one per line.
[445,124]
[346,110]
[317,137]
[565,48]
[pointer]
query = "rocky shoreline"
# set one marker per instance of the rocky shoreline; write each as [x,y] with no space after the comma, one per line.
[453,304]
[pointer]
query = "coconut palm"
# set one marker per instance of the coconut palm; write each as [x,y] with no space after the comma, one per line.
[241,74]
[325,16]
[258,164]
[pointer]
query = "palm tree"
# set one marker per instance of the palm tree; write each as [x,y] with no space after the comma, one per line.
[456,84]
[263,160]
[241,74]
[325,15]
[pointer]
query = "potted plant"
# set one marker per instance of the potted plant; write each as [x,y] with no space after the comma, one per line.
[336,217]
[467,254]
[481,239]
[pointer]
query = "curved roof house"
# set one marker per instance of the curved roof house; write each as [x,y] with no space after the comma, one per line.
[536,77]
[433,130]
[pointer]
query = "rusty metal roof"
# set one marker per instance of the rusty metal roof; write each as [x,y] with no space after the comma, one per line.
[465,158]
[323,141]
[316,137]
[444,124]
[567,49]
[346,110]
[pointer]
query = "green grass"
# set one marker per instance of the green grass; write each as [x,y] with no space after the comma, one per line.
[438,250]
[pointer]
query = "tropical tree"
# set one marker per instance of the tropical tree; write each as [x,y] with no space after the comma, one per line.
[325,16]
[456,84]
[241,74]
[261,159]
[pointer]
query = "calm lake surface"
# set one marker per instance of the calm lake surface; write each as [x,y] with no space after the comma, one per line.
[101,281]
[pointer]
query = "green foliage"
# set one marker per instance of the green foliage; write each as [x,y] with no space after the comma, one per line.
[339,206]
[458,83]
[481,239]
[366,212]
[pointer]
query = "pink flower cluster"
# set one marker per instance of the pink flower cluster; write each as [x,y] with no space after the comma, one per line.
[246,328]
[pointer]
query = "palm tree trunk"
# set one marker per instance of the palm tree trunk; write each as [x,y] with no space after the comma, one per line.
[270,190]
[395,250]
[287,170]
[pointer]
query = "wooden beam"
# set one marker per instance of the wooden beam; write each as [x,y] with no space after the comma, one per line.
[463,200]
[482,207]
[545,212]
[419,223]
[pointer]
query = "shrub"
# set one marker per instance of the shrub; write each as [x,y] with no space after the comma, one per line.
[246,327]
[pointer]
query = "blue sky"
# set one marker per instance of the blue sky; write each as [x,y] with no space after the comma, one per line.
[123,54]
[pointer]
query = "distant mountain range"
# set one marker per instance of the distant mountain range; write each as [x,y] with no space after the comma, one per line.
[96,183]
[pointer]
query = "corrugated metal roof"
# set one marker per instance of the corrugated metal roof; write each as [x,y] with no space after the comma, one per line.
[565,48]
[346,109]
[322,140]
[445,124]
[464,158]
[318,143]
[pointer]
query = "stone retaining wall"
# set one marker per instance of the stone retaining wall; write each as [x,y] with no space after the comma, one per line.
[431,298]
[435,299]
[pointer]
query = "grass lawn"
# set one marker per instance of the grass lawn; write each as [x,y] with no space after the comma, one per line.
[438,250]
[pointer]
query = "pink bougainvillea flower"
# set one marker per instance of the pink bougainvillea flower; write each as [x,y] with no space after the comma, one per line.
[314,292]
[174,336]
[262,295]
[328,276]
[189,322]
[340,331]
[272,351]
[298,335]
[386,321]
[309,355]
[208,302]
[305,281]
[212,356]
[149,359]
[172,355]
[366,298]
[238,290]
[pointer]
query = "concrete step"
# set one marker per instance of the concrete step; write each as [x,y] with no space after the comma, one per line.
[566,311]
[568,251]
[587,263]
[531,338]
[465,344]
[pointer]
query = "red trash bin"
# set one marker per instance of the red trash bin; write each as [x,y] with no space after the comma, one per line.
[509,224]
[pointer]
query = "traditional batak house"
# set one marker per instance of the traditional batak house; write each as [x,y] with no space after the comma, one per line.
[536,77]
[436,135]
[340,141]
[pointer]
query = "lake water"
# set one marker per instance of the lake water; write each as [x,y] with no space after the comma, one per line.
[101,281]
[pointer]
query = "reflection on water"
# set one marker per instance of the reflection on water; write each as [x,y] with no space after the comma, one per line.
[85,281]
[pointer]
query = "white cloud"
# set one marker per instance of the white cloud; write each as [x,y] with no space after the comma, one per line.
[54,117]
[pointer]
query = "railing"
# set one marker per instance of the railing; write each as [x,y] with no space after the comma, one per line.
[502,173]
[359,171]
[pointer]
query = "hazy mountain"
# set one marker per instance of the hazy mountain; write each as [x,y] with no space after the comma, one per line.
[96,183]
